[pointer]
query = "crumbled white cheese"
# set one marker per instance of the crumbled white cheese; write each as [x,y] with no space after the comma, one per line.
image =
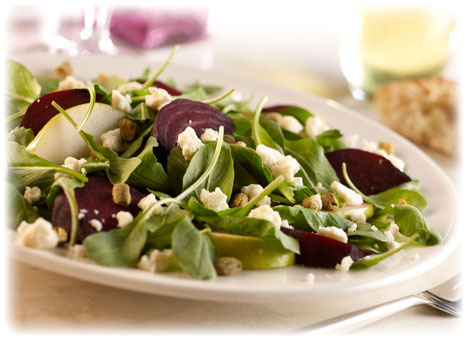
[352,228]
[96,212]
[254,190]
[96,224]
[345,264]
[32,194]
[146,202]
[265,212]
[316,202]
[287,166]
[315,126]
[297,182]
[156,261]
[74,164]
[210,135]
[347,195]
[390,234]
[373,148]
[70,83]
[124,218]
[373,227]
[291,124]
[333,232]
[358,216]
[268,155]
[76,252]
[82,213]
[189,142]
[131,86]
[351,141]
[215,200]
[121,102]
[39,234]
[112,139]
[157,98]
[310,278]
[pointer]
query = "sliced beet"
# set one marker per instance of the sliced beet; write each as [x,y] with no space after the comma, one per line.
[371,173]
[175,117]
[41,110]
[172,91]
[276,108]
[94,197]
[322,251]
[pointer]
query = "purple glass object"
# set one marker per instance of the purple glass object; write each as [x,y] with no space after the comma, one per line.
[149,28]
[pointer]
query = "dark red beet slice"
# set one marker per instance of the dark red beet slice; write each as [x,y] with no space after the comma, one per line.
[172,91]
[276,108]
[41,110]
[173,119]
[371,173]
[95,197]
[322,251]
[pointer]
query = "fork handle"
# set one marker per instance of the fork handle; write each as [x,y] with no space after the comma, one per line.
[350,321]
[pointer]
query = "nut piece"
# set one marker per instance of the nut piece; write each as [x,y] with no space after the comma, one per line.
[388,147]
[62,234]
[228,265]
[229,139]
[313,202]
[128,129]
[239,200]
[64,70]
[329,201]
[401,201]
[240,143]
[121,194]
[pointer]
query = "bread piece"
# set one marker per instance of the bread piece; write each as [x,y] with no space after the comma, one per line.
[422,110]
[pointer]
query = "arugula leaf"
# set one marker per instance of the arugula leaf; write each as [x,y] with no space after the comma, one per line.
[314,163]
[331,140]
[21,84]
[149,173]
[222,175]
[19,208]
[393,195]
[26,168]
[246,226]
[410,221]
[309,219]
[21,135]
[193,250]
[47,84]
[298,112]
[273,130]
[134,146]
[141,112]
[176,168]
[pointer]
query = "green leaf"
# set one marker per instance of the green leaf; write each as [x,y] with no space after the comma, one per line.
[21,84]
[331,140]
[309,219]
[393,195]
[176,168]
[26,167]
[149,173]
[193,250]
[135,145]
[410,221]
[47,84]
[298,112]
[19,209]
[21,135]
[315,166]
[222,175]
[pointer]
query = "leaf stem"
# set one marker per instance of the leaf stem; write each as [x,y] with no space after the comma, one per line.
[151,80]
[257,113]
[16,115]
[218,98]
[92,102]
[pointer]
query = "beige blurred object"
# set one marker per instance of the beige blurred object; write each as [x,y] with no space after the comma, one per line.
[423,110]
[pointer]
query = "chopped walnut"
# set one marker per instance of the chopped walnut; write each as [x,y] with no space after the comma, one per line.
[121,194]
[128,129]
[239,200]
[64,70]
[228,265]
[388,147]
[62,234]
[329,201]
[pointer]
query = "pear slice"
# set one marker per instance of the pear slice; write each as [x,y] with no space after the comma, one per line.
[346,212]
[253,252]
[58,139]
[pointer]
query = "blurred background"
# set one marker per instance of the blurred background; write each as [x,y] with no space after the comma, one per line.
[348,51]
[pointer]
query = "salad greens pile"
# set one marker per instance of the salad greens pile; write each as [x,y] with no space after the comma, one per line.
[189,234]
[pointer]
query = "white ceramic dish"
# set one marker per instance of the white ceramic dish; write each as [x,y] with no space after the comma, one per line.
[287,284]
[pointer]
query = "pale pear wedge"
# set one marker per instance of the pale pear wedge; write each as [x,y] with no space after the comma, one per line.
[253,252]
[367,209]
[58,139]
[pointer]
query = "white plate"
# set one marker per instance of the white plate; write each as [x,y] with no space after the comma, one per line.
[287,284]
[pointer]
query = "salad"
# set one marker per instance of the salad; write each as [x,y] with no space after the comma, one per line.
[168,178]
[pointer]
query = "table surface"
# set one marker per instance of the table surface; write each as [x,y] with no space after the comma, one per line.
[42,300]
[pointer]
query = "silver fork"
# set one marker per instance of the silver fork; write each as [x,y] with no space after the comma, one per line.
[445,297]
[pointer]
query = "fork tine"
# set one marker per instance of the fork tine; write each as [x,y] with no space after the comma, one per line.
[452,307]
